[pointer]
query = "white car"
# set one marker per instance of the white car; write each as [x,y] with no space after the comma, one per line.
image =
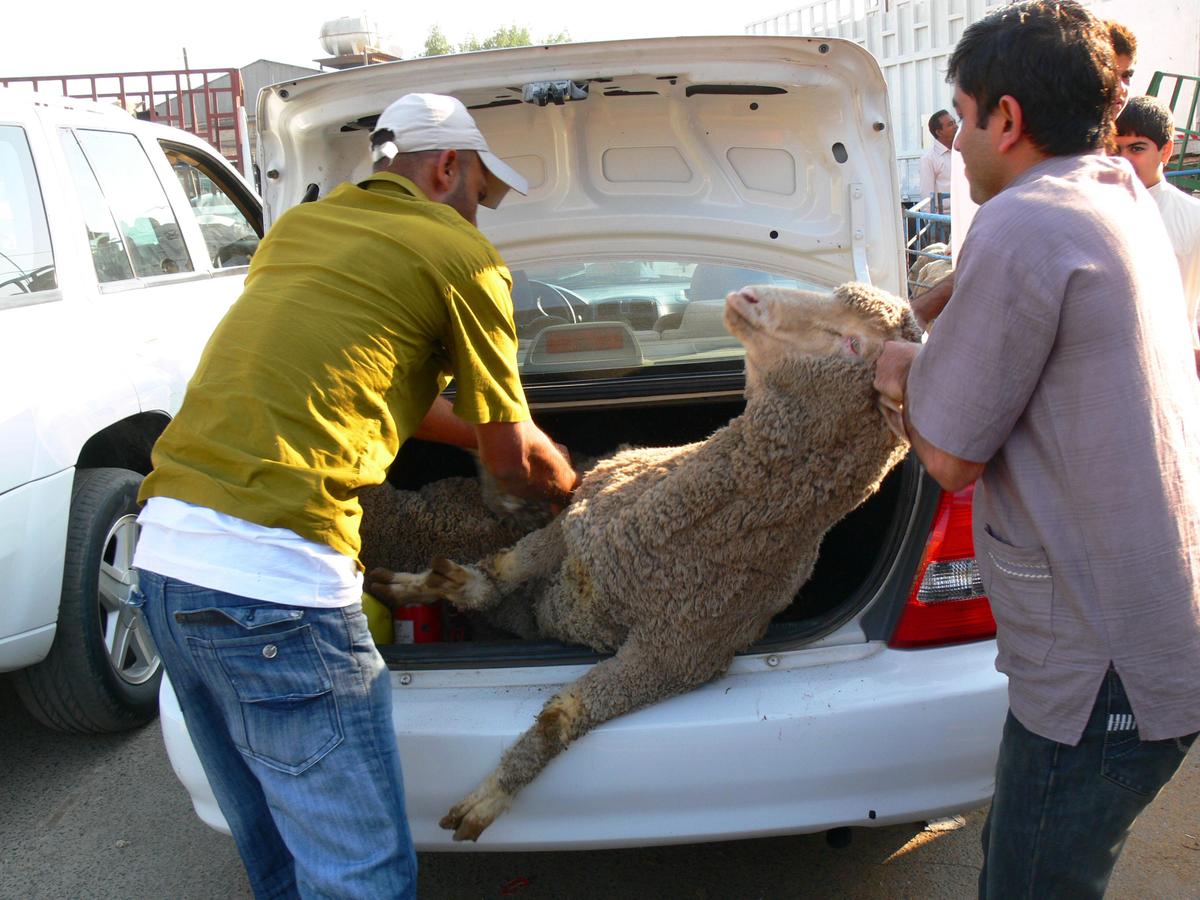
[664,173]
[110,283]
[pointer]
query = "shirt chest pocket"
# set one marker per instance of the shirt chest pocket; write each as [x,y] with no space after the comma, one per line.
[1020,587]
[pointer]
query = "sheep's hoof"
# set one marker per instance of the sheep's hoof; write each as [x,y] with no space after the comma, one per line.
[393,588]
[465,587]
[469,818]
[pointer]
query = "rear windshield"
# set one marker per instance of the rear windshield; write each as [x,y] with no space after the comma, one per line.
[617,316]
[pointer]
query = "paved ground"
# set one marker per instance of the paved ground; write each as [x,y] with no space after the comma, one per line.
[103,817]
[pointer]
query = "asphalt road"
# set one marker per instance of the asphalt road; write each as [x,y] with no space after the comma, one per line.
[103,817]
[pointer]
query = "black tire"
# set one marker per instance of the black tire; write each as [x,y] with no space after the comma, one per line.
[102,672]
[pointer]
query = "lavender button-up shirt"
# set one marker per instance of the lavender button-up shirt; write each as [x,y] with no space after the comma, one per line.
[1063,361]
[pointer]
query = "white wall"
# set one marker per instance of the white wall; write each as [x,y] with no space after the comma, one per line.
[1168,34]
[912,40]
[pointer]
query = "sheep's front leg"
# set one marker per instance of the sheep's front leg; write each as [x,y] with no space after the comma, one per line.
[635,677]
[536,555]
[464,586]
[481,586]
[395,588]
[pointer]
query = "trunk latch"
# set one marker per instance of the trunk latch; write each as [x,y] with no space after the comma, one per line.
[556,92]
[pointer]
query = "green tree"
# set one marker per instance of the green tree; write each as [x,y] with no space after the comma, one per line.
[506,36]
[436,44]
[512,36]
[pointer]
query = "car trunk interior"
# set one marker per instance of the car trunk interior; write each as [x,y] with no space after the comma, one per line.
[852,564]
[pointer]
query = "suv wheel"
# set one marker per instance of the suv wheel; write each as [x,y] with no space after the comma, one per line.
[103,671]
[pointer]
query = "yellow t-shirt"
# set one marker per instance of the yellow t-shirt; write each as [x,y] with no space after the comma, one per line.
[357,309]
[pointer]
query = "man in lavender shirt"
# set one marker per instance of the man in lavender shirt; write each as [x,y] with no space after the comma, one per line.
[1059,375]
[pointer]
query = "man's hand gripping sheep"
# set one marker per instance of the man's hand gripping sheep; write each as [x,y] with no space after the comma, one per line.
[673,559]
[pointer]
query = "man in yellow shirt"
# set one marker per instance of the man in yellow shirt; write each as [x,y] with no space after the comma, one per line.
[357,310]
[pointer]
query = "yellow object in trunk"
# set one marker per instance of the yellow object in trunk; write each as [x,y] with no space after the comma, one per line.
[379,619]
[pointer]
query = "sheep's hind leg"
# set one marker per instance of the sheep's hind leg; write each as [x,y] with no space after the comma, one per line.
[635,677]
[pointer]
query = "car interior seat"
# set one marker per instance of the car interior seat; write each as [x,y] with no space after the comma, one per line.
[711,282]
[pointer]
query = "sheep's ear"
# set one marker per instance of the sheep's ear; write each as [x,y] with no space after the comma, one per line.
[881,310]
[909,329]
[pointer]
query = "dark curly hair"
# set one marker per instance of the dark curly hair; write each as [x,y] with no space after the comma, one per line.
[1055,58]
[1123,41]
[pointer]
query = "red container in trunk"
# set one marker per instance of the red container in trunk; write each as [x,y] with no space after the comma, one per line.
[418,623]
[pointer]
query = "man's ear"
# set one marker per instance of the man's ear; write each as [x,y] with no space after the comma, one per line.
[1013,122]
[445,173]
[1167,149]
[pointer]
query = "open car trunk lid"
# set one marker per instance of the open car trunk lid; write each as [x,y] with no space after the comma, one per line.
[772,152]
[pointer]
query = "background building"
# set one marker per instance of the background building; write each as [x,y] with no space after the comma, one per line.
[913,39]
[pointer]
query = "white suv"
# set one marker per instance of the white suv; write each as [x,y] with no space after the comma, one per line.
[122,243]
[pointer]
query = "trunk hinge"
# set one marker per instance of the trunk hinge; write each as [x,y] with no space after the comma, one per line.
[858,233]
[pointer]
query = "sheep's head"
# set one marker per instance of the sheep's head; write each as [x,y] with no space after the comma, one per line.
[777,324]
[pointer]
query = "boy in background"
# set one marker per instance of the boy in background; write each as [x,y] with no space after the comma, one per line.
[1145,137]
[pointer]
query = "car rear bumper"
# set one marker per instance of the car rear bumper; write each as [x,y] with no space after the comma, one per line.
[784,743]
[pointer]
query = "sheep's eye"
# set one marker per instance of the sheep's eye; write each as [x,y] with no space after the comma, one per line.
[856,345]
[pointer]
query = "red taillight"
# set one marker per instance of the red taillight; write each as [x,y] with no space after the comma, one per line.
[947,604]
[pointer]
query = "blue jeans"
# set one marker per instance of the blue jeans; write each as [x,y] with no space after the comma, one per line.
[1061,814]
[290,711]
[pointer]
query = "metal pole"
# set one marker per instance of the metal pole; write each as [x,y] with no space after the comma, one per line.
[191,95]
[244,145]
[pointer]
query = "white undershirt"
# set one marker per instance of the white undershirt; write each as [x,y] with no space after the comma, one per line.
[210,549]
[934,170]
[1181,216]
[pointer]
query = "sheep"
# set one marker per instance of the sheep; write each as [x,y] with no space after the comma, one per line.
[932,273]
[928,269]
[463,518]
[923,256]
[676,558]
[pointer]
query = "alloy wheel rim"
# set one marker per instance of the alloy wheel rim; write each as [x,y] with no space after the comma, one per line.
[127,641]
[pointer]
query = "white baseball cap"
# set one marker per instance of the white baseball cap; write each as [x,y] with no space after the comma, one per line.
[437,122]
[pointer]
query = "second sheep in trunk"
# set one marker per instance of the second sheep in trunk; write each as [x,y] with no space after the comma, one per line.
[676,558]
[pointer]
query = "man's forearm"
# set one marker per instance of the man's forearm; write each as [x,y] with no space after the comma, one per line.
[442,425]
[948,470]
[929,305]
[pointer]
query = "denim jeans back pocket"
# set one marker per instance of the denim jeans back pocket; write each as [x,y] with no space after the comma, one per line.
[288,714]
[247,617]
